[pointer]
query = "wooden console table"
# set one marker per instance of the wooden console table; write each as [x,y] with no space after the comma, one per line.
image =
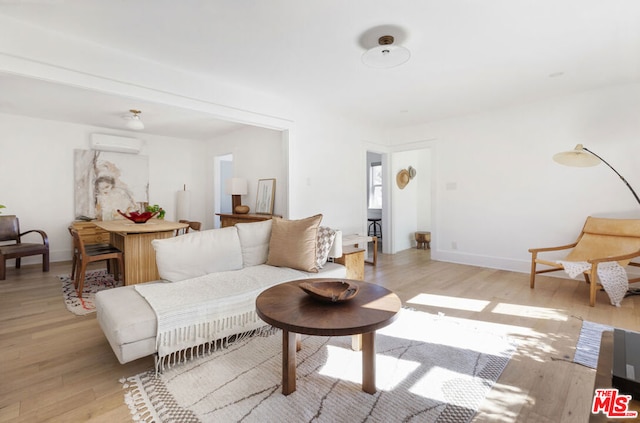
[134,240]
[230,219]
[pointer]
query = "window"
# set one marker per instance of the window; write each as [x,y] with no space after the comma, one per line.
[375,185]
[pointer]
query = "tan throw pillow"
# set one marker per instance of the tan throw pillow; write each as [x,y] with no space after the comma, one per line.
[294,243]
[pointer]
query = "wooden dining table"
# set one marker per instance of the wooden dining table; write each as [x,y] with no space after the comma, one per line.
[134,240]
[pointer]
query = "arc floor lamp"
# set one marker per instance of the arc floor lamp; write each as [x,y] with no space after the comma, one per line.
[583,157]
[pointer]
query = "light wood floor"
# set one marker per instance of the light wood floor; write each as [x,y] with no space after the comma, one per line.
[55,366]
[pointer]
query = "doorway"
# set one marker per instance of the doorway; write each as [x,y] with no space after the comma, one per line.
[223,170]
[376,200]
[410,207]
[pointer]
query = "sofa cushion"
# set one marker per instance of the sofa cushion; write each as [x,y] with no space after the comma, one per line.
[326,236]
[254,242]
[294,243]
[124,315]
[198,253]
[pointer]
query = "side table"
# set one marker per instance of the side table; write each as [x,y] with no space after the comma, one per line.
[358,241]
[423,240]
[353,259]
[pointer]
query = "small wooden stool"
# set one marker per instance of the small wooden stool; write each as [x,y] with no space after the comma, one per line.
[424,240]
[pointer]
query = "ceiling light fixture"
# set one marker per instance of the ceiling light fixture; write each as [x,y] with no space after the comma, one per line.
[386,54]
[133,120]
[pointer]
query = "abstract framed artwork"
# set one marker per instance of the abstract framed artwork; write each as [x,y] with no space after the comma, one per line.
[266,196]
[106,182]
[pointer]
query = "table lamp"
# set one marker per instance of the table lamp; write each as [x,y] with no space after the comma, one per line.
[583,157]
[237,187]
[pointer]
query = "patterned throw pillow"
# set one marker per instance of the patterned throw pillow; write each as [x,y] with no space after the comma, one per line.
[325,241]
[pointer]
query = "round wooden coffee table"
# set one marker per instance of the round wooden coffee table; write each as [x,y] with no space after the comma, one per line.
[289,308]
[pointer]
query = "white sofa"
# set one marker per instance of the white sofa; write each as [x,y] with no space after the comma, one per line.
[210,280]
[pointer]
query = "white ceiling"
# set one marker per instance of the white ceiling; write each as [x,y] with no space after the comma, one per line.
[47,100]
[466,55]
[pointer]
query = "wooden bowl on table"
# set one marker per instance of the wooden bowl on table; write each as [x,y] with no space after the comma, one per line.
[330,290]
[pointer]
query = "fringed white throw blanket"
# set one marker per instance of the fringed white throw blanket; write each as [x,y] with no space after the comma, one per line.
[194,314]
[612,276]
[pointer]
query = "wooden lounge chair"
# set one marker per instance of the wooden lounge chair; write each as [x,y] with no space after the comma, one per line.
[601,240]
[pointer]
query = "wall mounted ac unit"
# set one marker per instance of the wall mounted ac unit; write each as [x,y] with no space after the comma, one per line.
[104,142]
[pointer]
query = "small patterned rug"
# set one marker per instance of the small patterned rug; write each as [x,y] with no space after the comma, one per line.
[588,347]
[428,368]
[95,280]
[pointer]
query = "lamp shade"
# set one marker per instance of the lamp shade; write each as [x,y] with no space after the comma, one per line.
[183,205]
[135,123]
[577,157]
[236,186]
[133,120]
[583,157]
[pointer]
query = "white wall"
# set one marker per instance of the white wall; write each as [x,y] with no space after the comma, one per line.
[326,158]
[226,172]
[498,192]
[258,153]
[423,181]
[36,170]
[404,203]
[411,208]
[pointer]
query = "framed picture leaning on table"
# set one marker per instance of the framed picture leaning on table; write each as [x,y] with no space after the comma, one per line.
[266,196]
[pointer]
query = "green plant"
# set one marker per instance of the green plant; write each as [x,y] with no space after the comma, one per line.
[2,207]
[156,208]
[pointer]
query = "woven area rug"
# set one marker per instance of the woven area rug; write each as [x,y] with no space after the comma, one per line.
[588,346]
[428,368]
[95,280]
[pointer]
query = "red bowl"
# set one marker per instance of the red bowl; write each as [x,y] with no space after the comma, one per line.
[137,217]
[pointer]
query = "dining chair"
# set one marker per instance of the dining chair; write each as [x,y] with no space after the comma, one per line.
[192,226]
[88,247]
[84,255]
